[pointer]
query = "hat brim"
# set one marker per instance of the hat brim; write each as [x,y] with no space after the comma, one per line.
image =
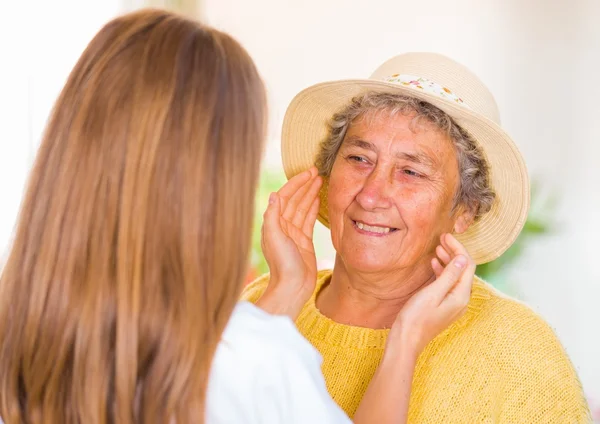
[305,126]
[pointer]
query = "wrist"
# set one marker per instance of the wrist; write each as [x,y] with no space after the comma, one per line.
[283,299]
[402,344]
[398,364]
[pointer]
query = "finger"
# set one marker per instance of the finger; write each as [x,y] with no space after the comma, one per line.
[437,267]
[293,203]
[294,184]
[300,239]
[461,292]
[442,254]
[271,230]
[453,246]
[457,300]
[449,277]
[444,243]
[303,207]
[271,223]
[311,218]
[456,247]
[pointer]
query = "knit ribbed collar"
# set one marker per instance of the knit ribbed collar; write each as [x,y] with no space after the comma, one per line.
[318,327]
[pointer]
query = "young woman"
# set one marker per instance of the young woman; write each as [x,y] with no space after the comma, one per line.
[118,296]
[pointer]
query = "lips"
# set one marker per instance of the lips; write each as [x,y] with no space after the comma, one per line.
[372,228]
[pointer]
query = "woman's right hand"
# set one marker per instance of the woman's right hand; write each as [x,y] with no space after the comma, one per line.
[287,244]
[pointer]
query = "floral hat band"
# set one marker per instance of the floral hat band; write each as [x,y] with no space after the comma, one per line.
[426,85]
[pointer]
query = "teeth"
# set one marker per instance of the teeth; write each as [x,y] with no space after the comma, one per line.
[373,229]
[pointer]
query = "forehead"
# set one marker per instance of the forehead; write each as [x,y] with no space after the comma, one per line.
[403,124]
[388,132]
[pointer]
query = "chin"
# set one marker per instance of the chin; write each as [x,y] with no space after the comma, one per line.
[364,261]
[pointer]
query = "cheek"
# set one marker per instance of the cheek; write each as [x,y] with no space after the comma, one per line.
[423,208]
[341,192]
[342,189]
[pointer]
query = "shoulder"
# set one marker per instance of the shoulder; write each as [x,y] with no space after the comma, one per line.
[259,336]
[249,363]
[525,347]
[514,325]
[262,356]
[513,320]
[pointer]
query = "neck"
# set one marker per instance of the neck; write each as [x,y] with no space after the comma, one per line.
[371,300]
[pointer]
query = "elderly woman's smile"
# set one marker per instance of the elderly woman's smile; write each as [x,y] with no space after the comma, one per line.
[373,229]
[391,192]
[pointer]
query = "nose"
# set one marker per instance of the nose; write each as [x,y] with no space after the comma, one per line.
[376,191]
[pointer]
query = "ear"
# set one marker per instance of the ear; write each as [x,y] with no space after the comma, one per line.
[464,219]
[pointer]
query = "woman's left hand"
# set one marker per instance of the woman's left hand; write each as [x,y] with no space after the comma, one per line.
[427,313]
[433,308]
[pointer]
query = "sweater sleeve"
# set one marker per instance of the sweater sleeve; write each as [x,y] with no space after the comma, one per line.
[542,384]
[253,291]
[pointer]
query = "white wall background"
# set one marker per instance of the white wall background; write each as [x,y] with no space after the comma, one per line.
[541,58]
[40,41]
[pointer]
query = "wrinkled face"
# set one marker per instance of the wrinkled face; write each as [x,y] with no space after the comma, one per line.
[391,193]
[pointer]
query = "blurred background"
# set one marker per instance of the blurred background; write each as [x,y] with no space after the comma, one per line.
[540,58]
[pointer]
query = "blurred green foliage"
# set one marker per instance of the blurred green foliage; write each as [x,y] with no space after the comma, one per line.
[270,181]
[539,222]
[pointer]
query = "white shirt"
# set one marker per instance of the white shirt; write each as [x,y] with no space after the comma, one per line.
[265,372]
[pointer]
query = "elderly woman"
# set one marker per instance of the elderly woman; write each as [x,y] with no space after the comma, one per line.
[408,155]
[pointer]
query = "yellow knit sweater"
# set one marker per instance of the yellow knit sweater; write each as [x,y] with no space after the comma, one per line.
[500,363]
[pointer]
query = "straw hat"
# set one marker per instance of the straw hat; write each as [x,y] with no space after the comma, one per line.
[452,88]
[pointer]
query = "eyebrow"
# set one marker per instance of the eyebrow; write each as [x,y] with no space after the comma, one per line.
[418,158]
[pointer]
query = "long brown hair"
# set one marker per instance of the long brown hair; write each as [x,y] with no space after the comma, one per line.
[132,242]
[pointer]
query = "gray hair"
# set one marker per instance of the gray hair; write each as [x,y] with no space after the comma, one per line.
[474,192]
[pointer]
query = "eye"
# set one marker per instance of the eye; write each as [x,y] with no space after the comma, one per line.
[411,173]
[359,159]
